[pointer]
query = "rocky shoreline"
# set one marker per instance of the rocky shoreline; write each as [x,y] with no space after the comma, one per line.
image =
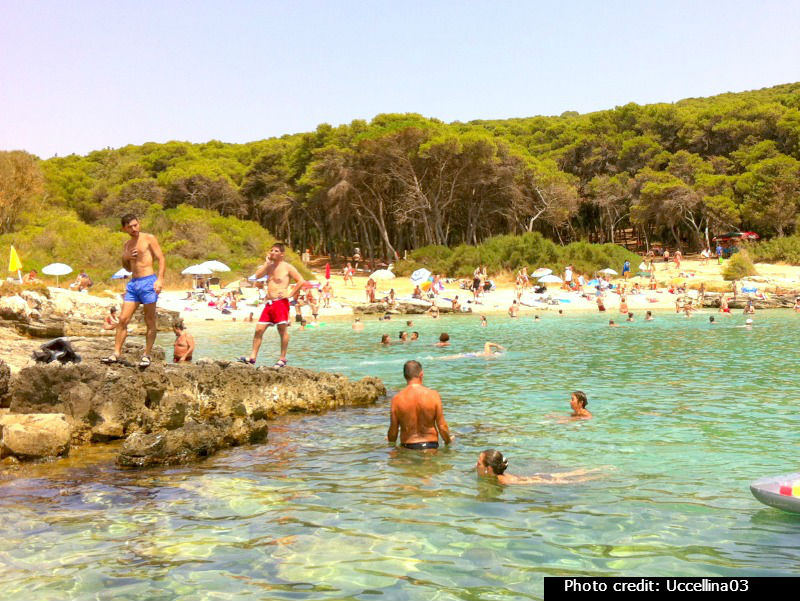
[167,413]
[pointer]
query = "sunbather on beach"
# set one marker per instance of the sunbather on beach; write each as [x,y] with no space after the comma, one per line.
[493,464]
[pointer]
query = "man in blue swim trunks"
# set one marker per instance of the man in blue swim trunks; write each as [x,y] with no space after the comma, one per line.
[417,413]
[138,255]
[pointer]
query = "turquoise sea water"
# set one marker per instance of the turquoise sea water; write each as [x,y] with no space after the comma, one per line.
[686,415]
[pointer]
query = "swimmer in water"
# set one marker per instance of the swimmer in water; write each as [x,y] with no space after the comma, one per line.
[578,402]
[385,340]
[414,336]
[711,320]
[648,316]
[490,349]
[492,464]
[483,321]
[611,324]
[630,317]
[444,339]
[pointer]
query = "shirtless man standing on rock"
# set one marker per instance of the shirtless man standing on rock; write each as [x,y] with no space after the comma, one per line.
[276,311]
[417,413]
[138,254]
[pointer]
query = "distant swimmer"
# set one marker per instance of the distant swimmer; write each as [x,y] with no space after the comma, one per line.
[492,464]
[513,310]
[403,337]
[797,305]
[611,324]
[484,323]
[748,324]
[444,339]
[630,317]
[385,340]
[490,349]
[711,320]
[578,402]
[184,344]
[358,325]
[417,413]
[414,336]
[648,316]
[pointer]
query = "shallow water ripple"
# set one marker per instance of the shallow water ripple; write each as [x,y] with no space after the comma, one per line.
[686,415]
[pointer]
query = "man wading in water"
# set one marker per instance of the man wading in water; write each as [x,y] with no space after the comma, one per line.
[138,254]
[417,413]
[276,311]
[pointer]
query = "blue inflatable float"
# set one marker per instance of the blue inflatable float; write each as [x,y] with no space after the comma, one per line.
[781,492]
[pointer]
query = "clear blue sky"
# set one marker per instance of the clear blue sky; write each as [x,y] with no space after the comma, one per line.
[82,75]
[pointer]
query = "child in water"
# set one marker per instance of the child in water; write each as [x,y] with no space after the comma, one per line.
[493,464]
[578,403]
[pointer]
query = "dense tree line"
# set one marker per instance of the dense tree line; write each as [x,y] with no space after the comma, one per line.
[673,173]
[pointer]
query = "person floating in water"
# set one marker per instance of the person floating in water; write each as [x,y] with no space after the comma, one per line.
[493,464]
[417,413]
[490,349]
[578,402]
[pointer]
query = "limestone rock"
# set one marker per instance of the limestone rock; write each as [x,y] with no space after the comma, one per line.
[34,436]
[5,380]
[175,413]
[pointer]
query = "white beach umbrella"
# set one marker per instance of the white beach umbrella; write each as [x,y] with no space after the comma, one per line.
[550,279]
[420,275]
[216,266]
[253,278]
[56,269]
[200,269]
[541,272]
[382,274]
[121,274]
[608,271]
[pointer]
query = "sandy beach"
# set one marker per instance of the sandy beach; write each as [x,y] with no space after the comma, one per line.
[771,279]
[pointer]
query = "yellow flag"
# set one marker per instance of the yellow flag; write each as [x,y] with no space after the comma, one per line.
[14,264]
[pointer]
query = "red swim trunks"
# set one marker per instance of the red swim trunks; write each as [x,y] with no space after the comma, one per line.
[275,312]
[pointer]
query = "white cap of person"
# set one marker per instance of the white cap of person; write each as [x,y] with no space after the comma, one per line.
[748,321]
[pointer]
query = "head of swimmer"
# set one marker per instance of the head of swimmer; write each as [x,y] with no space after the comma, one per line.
[578,400]
[491,463]
[412,371]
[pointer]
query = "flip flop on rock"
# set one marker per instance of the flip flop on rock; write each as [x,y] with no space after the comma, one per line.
[246,360]
[280,363]
[145,361]
[110,360]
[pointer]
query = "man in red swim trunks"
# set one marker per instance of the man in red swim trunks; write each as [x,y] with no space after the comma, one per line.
[276,311]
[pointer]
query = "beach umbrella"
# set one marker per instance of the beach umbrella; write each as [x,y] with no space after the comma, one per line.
[121,274]
[420,275]
[56,269]
[200,269]
[216,266]
[382,274]
[541,272]
[253,278]
[550,279]
[14,264]
[327,271]
[608,271]
[593,283]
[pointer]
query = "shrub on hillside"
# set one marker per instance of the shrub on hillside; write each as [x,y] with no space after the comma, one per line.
[589,258]
[738,266]
[510,253]
[784,250]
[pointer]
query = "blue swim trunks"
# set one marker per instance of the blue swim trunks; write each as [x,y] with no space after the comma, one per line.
[140,290]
